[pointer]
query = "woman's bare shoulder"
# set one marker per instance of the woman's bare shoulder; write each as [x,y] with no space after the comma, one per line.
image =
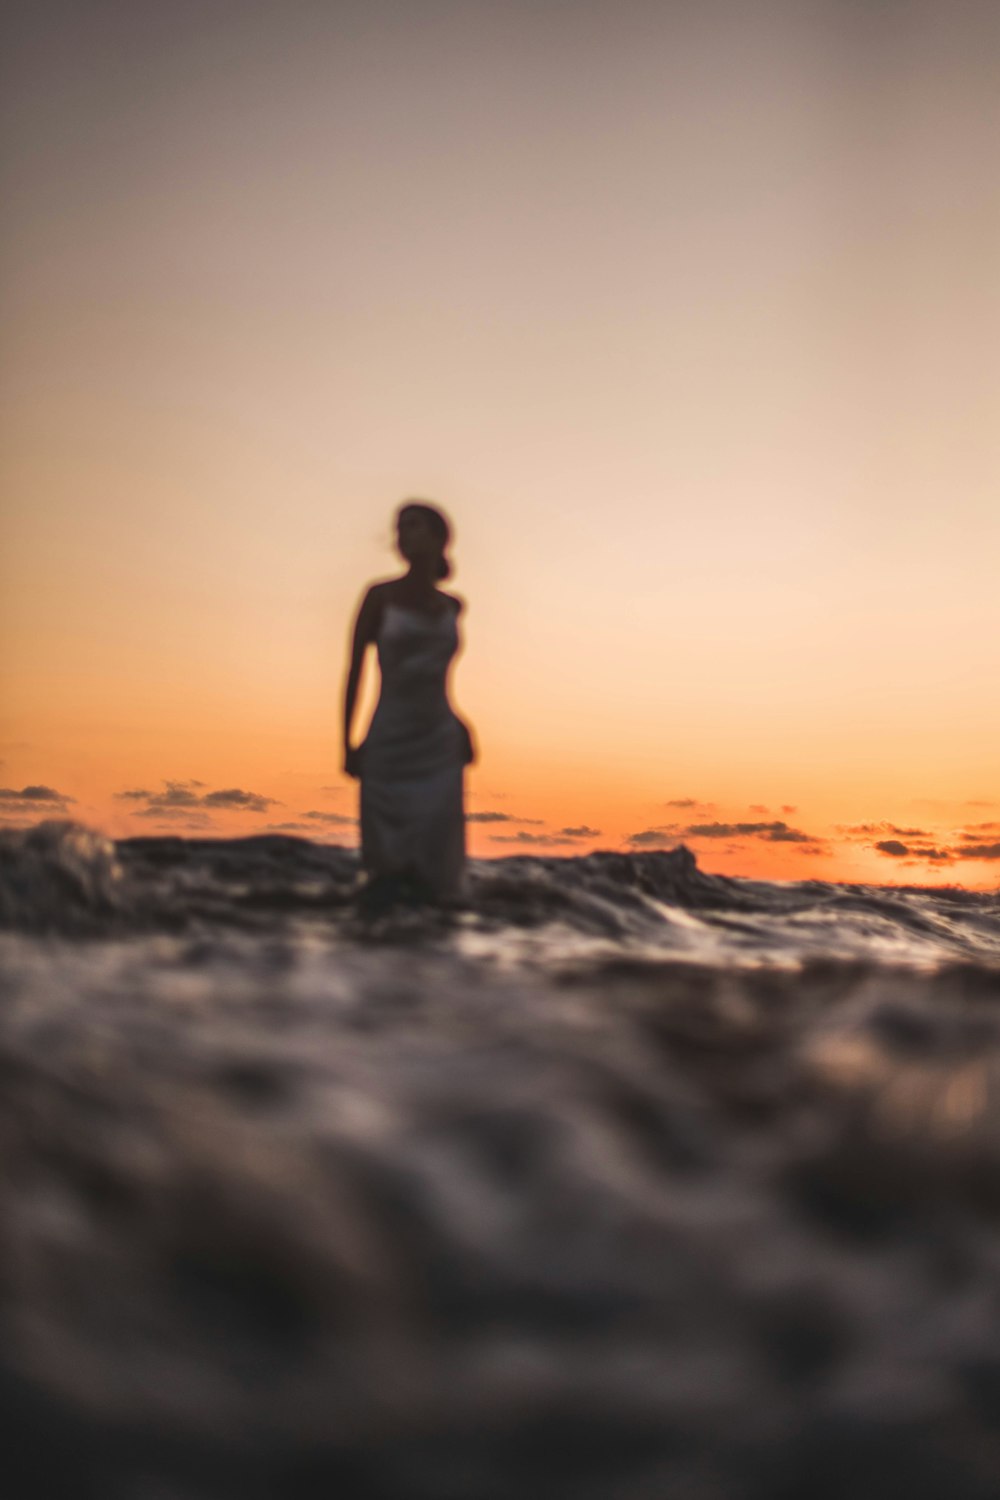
[378,593]
[369,612]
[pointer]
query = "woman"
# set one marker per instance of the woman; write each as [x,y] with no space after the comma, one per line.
[412,761]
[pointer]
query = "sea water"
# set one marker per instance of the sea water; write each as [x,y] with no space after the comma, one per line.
[619,1180]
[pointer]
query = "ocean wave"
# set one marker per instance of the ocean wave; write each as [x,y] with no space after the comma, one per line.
[626,1179]
[61,878]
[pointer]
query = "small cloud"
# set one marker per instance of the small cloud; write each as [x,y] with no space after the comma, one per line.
[893,847]
[187,794]
[288,828]
[980,802]
[500,817]
[177,794]
[329,817]
[650,837]
[775,832]
[538,840]
[235,796]
[683,802]
[183,816]
[978,851]
[868,830]
[787,808]
[27,798]
[583,832]
[758,807]
[720,830]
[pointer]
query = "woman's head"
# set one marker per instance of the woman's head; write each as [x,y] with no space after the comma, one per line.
[422,531]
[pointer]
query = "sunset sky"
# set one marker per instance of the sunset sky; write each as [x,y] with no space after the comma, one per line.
[688,314]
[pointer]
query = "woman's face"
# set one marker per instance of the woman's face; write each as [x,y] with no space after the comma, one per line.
[414,537]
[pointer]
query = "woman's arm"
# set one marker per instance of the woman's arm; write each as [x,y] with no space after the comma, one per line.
[365,627]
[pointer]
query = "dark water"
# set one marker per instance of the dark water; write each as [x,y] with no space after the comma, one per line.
[624,1180]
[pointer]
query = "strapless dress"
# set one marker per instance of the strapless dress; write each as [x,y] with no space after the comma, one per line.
[413,758]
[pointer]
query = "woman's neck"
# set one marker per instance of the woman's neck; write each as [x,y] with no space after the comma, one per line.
[419,578]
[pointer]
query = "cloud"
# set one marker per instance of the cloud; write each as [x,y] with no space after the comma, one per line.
[188,794]
[583,832]
[186,817]
[978,851]
[653,836]
[758,807]
[235,796]
[684,802]
[501,817]
[29,798]
[867,830]
[775,832]
[329,817]
[177,794]
[787,808]
[288,828]
[973,848]
[537,840]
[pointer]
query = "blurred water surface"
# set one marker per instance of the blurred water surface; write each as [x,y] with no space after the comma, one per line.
[621,1180]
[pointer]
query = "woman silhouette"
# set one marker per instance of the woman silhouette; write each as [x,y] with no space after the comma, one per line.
[412,761]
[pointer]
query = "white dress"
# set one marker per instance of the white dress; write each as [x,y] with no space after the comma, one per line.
[413,758]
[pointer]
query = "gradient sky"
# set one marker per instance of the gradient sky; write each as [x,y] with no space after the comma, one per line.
[688,314]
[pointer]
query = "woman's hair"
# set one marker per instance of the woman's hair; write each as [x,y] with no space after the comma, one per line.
[438,525]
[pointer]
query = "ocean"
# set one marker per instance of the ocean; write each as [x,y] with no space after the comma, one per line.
[620,1180]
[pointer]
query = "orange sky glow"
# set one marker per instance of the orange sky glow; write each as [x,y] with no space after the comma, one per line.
[689,318]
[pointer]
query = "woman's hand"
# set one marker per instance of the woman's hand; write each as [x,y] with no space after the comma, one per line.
[468,744]
[352,762]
